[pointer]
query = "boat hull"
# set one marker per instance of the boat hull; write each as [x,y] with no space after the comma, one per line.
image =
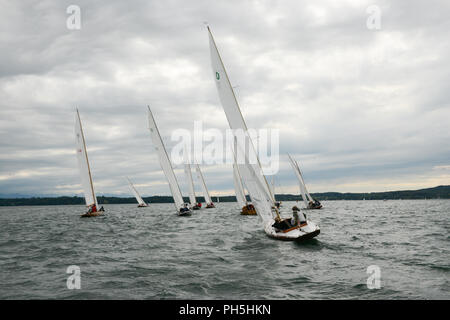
[209,206]
[91,214]
[303,232]
[314,207]
[184,213]
[250,212]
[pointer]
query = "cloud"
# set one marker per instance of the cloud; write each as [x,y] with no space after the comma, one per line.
[361,110]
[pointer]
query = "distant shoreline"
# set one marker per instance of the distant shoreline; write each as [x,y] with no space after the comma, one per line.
[440,192]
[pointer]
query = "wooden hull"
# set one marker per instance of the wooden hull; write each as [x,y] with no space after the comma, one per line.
[208,206]
[91,214]
[248,212]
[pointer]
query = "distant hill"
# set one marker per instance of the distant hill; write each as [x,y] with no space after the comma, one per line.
[440,192]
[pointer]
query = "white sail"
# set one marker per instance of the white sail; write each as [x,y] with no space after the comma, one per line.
[260,193]
[238,187]
[301,183]
[83,163]
[204,188]
[188,172]
[136,194]
[164,160]
[273,186]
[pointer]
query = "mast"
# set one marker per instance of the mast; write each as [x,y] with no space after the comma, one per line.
[87,160]
[239,123]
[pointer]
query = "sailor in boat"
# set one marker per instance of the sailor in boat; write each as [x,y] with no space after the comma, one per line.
[314,204]
[92,208]
[197,206]
[301,218]
[184,208]
[295,221]
[249,208]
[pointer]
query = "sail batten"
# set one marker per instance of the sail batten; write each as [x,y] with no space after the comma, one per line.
[164,160]
[83,164]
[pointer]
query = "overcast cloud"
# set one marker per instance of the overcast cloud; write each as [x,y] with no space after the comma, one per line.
[360,109]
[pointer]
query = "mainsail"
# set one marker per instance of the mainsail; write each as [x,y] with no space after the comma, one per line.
[83,163]
[204,188]
[165,161]
[188,172]
[305,194]
[256,183]
[136,194]
[238,187]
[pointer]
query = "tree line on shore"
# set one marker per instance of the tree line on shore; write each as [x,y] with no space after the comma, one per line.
[440,192]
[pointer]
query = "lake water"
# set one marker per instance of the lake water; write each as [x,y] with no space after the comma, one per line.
[151,253]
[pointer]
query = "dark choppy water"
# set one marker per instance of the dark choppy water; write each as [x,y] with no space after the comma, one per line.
[150,253]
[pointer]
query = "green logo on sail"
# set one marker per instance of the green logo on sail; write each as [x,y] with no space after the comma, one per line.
[217,76]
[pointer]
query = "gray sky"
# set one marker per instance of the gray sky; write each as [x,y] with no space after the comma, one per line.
[360,109]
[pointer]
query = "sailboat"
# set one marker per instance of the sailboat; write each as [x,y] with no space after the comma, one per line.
[298,228]
[310,203]
[209,203]
[246,208]
[141,202]
[85,172]
[181,207]
[192,198]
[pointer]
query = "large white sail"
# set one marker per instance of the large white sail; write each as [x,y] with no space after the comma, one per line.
[83,163]
[136,194]
[238,187]
[204,188]
[188,172]
[301,183]
[164,160]
[260,193]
